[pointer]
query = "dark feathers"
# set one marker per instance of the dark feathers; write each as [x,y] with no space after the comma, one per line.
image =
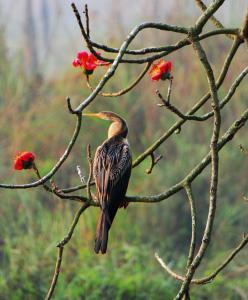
[111,169]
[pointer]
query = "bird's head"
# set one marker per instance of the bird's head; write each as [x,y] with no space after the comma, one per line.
[104,115]
[118,125]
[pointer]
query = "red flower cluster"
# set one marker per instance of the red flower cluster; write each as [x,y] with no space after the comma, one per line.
[88,62]
[161,70]
[24,160]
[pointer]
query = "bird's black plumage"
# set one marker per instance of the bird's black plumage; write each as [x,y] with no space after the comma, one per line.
[111,170]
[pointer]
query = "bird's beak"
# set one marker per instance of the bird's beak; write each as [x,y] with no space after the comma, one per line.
[92,115]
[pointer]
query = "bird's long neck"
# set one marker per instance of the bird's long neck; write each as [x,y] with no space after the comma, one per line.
[117,128]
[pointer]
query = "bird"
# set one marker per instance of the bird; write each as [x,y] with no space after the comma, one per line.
[111,171]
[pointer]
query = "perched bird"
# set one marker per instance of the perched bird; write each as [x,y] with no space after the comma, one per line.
[111,170]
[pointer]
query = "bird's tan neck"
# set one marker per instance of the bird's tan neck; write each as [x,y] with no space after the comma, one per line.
[117,128]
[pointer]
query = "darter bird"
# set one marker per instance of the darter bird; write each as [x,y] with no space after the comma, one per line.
[111,170]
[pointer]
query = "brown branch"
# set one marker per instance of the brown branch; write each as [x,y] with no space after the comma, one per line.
[211,277]
[76,188]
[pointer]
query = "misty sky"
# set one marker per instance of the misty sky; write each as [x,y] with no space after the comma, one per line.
[60,38]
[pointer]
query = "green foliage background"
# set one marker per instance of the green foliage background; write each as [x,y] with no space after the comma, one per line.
[34,117]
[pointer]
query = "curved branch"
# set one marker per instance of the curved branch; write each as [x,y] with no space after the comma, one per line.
[127,89]
[54,190]
[57,165]
[164,50]
[185,42]
[137,29]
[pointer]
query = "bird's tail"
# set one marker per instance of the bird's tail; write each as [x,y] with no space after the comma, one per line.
[103,227]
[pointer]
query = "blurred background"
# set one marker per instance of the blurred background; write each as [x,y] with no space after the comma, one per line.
[38,41]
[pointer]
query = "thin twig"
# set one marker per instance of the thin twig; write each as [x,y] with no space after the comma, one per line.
[188,190]
[154,161]
[125,90]
[54,190]
[164,49]
[87,20]
[56,273]
[180,44]
[130,37]
[67,238]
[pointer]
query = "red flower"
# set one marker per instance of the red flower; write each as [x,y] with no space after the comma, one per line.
[24,160]
[88,62]
[161,70]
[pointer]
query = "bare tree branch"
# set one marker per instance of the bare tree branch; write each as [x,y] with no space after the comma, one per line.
[56,273]
[165,49]
[60,246]
[211,277]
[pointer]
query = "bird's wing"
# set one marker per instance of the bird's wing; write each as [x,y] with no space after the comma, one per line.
[112,169]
